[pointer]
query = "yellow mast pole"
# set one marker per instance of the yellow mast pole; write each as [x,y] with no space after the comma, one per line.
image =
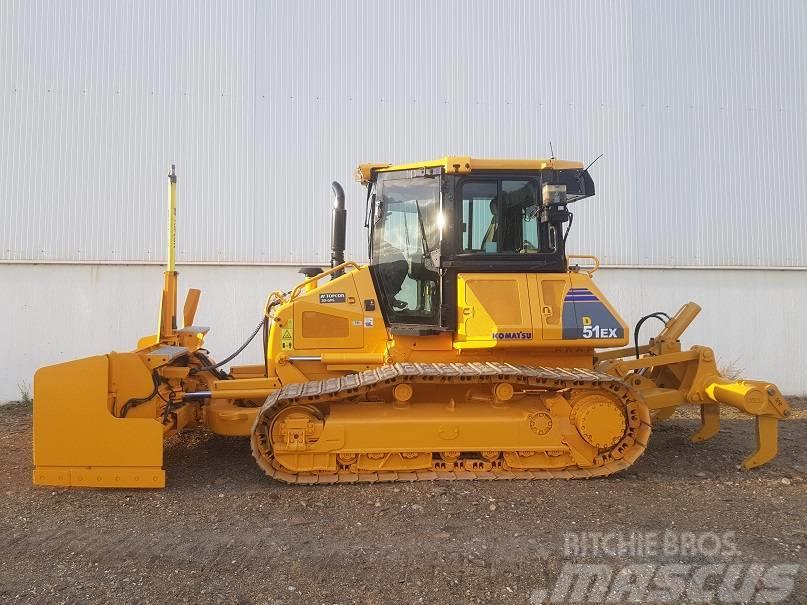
[172,219]
[168,307]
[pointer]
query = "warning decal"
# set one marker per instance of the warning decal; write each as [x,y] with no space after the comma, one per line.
[286,337]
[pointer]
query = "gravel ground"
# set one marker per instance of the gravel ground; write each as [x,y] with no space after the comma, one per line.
[222,532]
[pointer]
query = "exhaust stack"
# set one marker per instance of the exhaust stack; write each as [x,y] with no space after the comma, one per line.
[338,222]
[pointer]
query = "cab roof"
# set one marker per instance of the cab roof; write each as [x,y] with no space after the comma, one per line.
[365,173]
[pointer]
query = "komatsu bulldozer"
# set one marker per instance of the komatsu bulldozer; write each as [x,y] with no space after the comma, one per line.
[471,346]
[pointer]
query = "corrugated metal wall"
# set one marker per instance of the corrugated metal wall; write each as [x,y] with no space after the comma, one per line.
[699,108]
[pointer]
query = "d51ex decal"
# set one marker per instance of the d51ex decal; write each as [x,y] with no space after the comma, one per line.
[586,317]
[595,331]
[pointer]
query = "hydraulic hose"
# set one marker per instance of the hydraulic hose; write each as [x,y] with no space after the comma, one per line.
[660,315]
[263,324]
[136,401]
[237,352]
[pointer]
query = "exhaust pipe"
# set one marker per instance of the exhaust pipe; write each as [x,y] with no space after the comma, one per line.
[338,222]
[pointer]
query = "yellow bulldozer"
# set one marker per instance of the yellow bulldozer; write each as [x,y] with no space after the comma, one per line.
[471,346]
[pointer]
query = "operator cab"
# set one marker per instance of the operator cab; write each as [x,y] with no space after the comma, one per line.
[430,221]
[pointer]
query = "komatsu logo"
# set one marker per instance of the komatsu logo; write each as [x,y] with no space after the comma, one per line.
[512,336]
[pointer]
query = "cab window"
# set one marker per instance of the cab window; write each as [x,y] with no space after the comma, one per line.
[479,209]
[500,216]
[520,216]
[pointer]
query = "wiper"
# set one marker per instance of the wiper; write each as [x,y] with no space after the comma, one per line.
[427,252]
[423,240]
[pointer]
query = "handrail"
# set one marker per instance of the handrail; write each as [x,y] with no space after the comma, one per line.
[316,278]
[267,308]
[589,257]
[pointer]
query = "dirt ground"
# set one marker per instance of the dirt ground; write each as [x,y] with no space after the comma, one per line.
[223,533]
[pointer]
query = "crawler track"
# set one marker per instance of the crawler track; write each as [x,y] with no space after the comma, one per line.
[359,387]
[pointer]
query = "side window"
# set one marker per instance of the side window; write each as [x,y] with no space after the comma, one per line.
[500,217]
[520,212]
[479,212]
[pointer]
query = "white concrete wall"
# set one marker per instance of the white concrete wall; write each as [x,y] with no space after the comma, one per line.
[54,313]
[753,319]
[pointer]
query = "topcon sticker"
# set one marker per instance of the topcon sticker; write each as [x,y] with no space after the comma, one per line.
[332,297]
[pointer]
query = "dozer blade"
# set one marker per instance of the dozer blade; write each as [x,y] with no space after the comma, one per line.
[77,440]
